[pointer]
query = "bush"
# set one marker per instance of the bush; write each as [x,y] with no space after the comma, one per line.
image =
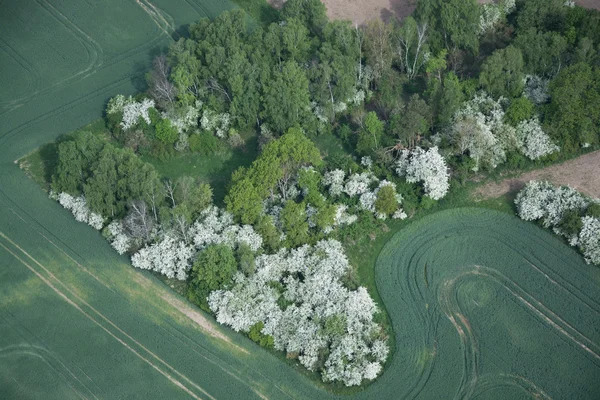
[520,109]
[257,336]
[205,143]
[166,132]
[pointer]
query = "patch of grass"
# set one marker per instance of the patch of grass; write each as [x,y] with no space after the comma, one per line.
[215,169]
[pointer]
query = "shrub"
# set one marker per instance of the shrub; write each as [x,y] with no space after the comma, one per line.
[205,143]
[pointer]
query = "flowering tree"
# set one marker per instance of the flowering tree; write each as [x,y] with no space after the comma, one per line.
[426,166]
[540,200]
[80,210]
[557,208]
[309,315]
[170,257]
[133,111]
[534,143]
[589,239]
[335,180]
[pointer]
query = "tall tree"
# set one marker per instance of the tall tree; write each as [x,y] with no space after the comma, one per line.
[502,73]
[286,99]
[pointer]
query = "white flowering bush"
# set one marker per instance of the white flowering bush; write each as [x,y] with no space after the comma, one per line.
[117,237]
[536,89]
[589,239]
[117,103]
[493,13]
[366,162]
[78,206]
[358,184]
[316,303]
[540,200]
[335,181]
[185,119]
[215,226]
[133,111]
[534,143]
[427,166]
[218,124]
[547,203]
[169,256]
[480,131]
[342,217]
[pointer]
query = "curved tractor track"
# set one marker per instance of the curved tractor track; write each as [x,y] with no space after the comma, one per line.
[518,309]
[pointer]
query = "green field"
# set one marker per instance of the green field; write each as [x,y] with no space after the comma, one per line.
[486,306]
[503,309]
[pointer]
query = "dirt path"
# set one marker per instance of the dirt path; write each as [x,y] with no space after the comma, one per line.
[582,173]
[361,11]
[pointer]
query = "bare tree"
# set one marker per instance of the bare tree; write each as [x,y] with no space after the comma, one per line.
[161,89]
[378,47]
[181,225]
[154,195]
[215,86]
[411,41]
[360,37]
[170,190]
[138,222]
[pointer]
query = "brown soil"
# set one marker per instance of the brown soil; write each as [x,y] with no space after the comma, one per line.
[582,173]
[589,3]
[360,11]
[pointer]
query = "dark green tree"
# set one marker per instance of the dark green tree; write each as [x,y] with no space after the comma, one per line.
[286,100]
[212,270]
[502,73]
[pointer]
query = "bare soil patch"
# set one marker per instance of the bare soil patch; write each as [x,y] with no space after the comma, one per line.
[361,11]
[582,173]
[589,3]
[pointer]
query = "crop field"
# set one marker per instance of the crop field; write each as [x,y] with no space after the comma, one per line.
[482,304]
[486,306]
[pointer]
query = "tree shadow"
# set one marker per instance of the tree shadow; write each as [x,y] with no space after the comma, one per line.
[49,155]
[399,9]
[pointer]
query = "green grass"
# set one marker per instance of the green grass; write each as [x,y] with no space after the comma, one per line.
[215,169]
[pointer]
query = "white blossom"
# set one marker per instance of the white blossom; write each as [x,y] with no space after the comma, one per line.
[542,201]
[78,206]
[170,257]
[358,184]
[366,162]
[589,239]
[536,89]
[426,166]
[400,214]
[533,141]
[217,124]
[354,352]
[342,217]
[133,111]
[367,201]
[335,180]
[119,240]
